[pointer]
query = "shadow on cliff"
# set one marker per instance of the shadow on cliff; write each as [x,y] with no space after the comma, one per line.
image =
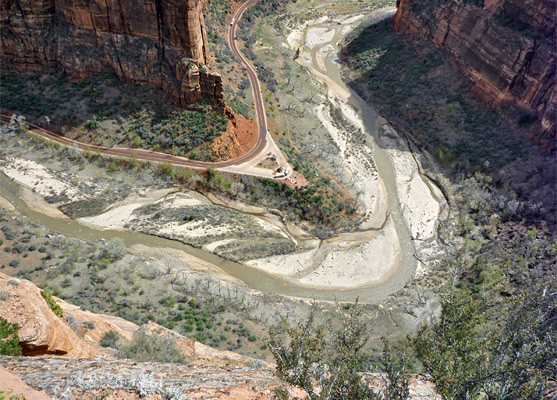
[53,100]
[411,83]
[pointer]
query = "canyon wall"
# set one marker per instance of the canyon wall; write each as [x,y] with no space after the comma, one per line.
[506,47]
[161,43]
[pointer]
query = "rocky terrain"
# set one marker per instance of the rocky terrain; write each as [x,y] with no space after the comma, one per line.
[161,44]
[87,370]
[507,47]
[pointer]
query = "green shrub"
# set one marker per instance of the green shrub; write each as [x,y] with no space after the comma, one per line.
[92,124]
[55,307]
[110,339]
[9,341]
[150,347]
[169,302]
[89,325]
[167,169]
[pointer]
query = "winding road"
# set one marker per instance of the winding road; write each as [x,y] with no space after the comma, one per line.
[152,156]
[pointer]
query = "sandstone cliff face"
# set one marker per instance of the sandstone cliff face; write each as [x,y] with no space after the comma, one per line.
[40,331]
[507,47]
[161,43]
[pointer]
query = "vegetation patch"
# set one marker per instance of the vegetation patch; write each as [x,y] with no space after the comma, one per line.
[152,348]
[55,307]
[104,111]
[9,340]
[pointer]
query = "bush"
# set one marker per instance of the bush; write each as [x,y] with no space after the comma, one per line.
[9,341]
[14,263]
[89,325]
[146,347]
[167,169]
[92,124]
[110,339]
[306,356]
[55,307]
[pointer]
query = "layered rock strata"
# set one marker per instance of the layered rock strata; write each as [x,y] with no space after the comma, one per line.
[161,43]
[40,330]
[507,47]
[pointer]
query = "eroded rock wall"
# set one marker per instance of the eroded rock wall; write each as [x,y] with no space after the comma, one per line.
[507,47]
[160,43]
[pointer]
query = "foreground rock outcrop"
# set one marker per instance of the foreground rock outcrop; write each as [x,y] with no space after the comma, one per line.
[40,330]
[124,379]
[88,371]
[507,47]
[158,43]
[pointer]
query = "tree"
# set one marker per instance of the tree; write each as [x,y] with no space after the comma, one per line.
[9,340]
[496,351]
[324,361]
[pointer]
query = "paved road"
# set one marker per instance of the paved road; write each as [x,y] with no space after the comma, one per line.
[147,155]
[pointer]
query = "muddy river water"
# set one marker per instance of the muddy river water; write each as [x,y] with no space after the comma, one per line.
[253,278]
[324,68]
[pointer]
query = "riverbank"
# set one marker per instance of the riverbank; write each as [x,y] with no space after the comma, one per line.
[366,140]
[378,252]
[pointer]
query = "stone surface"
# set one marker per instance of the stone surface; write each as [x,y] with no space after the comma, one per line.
[40,330]
[507,47]
[161,43]
[12,385]
[81,379]
[123,379]
[209,374]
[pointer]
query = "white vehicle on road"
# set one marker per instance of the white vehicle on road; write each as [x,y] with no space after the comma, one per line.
[232,22]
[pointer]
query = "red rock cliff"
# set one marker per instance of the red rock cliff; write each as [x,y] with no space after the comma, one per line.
[161,43]
[507,47]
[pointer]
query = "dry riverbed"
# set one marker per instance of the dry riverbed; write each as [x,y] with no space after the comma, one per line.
[400,209]
[373,254]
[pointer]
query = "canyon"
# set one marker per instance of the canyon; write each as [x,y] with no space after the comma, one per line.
[506,47]
[154,245]
[162,44]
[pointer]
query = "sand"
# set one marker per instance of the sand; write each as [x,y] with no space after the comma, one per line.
[213,246]
[347,261]
[374,255]
[36,203]
[121,213]
[369,263]
[6,205]
[39,178]
[420,207]
[319,36]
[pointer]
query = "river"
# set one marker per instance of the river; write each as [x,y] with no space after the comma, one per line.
[326,70]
